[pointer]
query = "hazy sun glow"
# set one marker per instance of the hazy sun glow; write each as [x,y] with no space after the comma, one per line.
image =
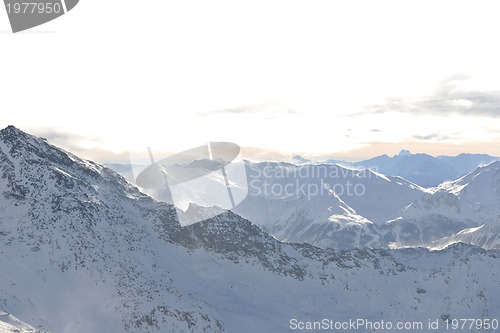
[322,78]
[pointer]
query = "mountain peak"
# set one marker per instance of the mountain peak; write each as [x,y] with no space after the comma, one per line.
[297,159]
[20,143]
[17,141]
[404,152]
[22,149]
[11,132]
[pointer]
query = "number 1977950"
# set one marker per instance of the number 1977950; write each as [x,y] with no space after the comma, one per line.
[478,324]
[34,8]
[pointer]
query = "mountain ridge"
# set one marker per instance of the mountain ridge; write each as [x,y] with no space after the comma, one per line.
[416,167]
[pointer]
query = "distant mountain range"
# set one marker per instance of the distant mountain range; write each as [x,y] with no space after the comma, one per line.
[321,206]
[389,212]
[422,169]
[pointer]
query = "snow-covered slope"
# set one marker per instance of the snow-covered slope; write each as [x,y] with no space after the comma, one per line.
[325,221]
[486,236]
[10,324]
[83,251]
[478,195]
[432,217]
[472,198]
[374,196]
[323,205]
[467,202]
[479,191]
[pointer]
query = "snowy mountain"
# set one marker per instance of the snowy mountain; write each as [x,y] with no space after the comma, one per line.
[388,212]
[455,206]
[422,232]
[486,236]
[81,250]
[325,221]
[479,191]
[323,205]
[471,199]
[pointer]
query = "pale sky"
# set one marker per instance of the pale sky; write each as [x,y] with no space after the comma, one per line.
[349,79]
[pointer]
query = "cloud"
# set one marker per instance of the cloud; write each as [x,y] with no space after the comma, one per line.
[435,136]
[89,148]
[68,140]
[268,108]
[449,98]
